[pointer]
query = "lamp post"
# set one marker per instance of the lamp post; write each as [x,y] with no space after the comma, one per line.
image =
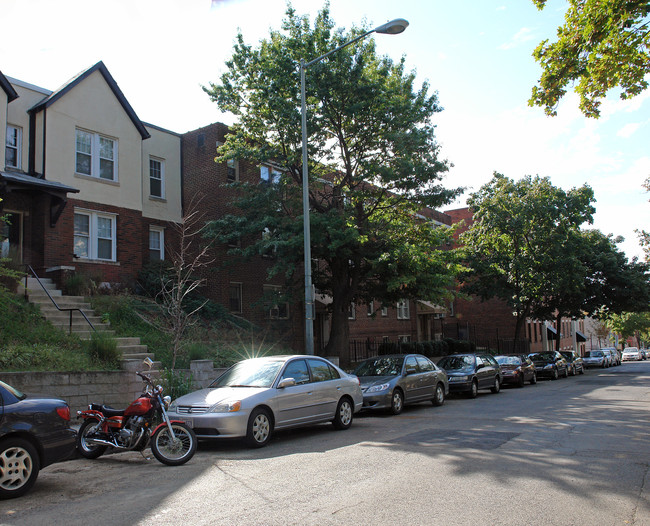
[393,27]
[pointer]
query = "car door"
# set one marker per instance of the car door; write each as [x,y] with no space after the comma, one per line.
[482,373]
[411,379]
[327,389]
[295,403]
[428,377]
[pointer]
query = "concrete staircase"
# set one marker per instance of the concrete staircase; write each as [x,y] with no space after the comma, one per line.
[132,350]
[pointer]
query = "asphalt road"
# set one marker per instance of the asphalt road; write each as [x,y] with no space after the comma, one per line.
[568,452]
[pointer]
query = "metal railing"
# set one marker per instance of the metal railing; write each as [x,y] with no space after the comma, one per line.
[69,310]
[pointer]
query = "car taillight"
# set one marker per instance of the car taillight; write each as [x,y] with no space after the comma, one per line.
[63,412]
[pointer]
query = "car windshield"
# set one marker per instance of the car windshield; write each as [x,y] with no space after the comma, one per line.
[567,355]
[381,366]
[457,363]
[594,354]
[508,360]
[541,356]
[13,390]
[250,373]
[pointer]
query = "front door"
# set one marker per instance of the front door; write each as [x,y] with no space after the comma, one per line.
[11,239]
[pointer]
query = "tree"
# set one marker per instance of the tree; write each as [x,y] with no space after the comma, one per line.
[644,235]
[516,243]
[630,324]
[591,277]
[373,167]
[603,44]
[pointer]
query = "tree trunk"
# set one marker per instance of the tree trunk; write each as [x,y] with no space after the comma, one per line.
[339,340]
[558,336]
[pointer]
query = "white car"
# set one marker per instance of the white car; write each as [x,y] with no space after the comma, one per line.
[632,353]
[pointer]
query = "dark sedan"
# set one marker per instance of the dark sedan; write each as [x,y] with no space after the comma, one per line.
[550,364]
[575,361]
[517,369]
[390,382]
[34,433]
[470,372]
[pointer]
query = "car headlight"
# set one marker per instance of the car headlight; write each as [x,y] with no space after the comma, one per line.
[377,388]
[548,366]
[460,378]
[229,406]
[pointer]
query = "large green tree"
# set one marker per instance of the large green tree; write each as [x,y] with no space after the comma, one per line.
[603,44]
[374,165]
[630,324]
[517,240]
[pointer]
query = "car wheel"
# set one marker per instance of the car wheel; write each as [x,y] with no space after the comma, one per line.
[582,370]
[439,397]
[258,432]
[397,402]
[19,465]
[522,381]
[555,374]
[497,385]
[344,414]
[533,380]
[573,371]
[473,391]
[566,372]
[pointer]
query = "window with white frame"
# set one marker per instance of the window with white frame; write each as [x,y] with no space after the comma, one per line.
[94,235]
[235,297]
[371,308]
[384,311]
[403,311]
[269,175]
[96,155]
[232,170]
[156,177]
[13,146]
[156,243]
[277,307]
[352,314]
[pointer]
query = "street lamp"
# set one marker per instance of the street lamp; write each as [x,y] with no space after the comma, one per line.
[394,27]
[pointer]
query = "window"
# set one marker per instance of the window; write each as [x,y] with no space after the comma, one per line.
[411,365]
[232,170]
[352,312]
[404,338]
[156,243]
[94,235]
[403,312]
[321,371]
[270,248]
[297,369]
[96,156]
[235,297]
[269,175]
[156,178]
[13,146]
[384,311]
[371,308]
[277,308]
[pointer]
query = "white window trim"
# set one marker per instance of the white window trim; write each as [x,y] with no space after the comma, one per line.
[352,313]
[273,174]
[93,234]
[17,147]
[162,177]
[236,167]
[403,310]
[94,156]
[160,230]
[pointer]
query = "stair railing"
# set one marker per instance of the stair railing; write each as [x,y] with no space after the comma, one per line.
[69,310]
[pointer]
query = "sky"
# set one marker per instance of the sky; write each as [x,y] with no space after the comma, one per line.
[476,54]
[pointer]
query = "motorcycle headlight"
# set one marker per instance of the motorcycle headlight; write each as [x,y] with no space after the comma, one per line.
[229,406]
[377,388]
[167,400]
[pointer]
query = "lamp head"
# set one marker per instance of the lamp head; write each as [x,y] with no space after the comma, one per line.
[394,27]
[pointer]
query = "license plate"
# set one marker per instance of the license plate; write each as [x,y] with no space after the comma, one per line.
[187,421]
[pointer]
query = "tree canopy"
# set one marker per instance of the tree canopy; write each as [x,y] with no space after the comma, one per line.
[603,44]
[374,166]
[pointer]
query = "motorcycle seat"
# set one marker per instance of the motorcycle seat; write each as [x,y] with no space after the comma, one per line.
[109,411]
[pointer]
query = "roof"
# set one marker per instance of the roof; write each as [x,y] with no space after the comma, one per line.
[28,180]
[8,88]
[101,68]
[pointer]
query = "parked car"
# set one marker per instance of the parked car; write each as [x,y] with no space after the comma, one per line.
[575,362]
[550,364]
[616,355]
[608,358]
[632,353]
[390,382]
[258,396]
[470,372]
[35,432]
[594,358]
[517,369]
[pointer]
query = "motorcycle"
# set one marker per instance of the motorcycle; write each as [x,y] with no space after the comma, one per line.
[172,442]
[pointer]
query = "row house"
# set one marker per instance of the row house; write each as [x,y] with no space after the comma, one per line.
[86,186]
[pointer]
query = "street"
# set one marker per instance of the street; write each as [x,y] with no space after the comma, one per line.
[574,451]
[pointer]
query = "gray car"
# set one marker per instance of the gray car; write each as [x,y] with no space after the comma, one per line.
[258,396]
[390,382]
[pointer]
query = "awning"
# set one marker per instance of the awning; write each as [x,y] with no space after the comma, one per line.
[551,333]
[21,182]
[580,337]
[428,307]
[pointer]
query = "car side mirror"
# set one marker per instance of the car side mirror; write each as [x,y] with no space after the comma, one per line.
[480,366]
[410,370]
[286,382]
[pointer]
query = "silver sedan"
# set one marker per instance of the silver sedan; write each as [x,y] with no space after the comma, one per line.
[257,396]
[390,382]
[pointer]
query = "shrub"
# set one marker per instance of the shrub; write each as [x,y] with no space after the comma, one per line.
[78,284]
[176,383]
[103,347]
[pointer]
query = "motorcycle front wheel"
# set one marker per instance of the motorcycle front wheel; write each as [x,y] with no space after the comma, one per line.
[86,450]
[174,451]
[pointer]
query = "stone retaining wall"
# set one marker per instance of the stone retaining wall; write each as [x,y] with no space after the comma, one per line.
[115,388]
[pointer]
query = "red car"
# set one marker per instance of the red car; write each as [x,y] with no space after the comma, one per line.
[517,369]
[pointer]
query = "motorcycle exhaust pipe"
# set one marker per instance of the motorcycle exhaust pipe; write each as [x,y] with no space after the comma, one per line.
[100,442]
